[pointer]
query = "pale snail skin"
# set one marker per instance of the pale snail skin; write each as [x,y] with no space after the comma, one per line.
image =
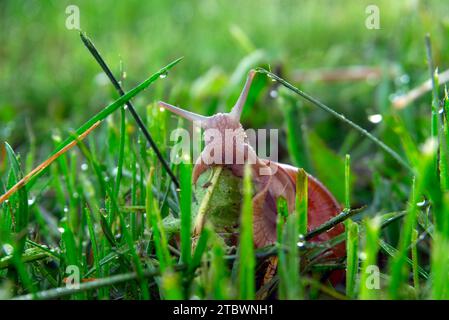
[279,182]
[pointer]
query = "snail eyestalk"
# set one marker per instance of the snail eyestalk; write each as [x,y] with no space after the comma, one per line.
[236,112]
[194,117]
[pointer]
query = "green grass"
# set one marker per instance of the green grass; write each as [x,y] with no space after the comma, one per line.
[247,287]
[106,204]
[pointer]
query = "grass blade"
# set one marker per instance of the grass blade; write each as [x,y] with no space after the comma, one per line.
[440,268]
[369,279]
[352,238]
[246,249]
[290,286]
[185,170]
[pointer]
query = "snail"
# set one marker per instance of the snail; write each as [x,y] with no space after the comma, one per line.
[271,179]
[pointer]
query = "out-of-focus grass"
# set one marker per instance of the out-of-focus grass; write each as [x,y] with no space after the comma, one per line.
[296,35]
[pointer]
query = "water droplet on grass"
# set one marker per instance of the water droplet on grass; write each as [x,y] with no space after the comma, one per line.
[405,78]
[301,241]
[9,249]
[421,203]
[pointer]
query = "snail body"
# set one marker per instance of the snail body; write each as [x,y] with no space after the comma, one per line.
[271,179]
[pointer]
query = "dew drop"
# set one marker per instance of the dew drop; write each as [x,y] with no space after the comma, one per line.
[163,75]
[274,94]
[84,167]
[421,203]
[300,244]
[375,118]
[271,77]
[301,241]
[9,249]
[66,209]
[56,137]
[405,78]
[61,230]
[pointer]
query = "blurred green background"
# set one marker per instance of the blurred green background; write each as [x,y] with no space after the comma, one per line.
[48,80]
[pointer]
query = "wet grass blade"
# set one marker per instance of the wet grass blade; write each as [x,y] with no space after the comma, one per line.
[93,285]
[348,181]
[170,282]
[21,214]
[444,146]
[155,222]
[415,262]
[94,243]
[200,249]
[352,257]
[296,134]
[246,249]
[20,221]
[121,153]
[290,286]
[329,224]
[70,254]
[100,116]
[369,279]
[352,238]
[301,201]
